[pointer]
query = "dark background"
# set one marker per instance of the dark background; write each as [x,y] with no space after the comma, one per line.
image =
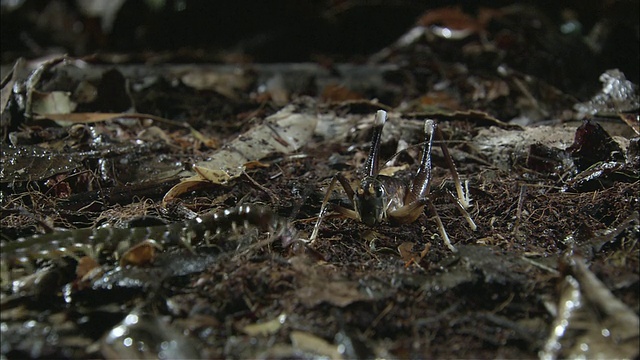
[281,31]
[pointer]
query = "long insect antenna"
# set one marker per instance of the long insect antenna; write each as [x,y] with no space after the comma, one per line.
[372,164]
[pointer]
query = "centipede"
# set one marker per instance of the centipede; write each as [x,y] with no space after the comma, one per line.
[92,241]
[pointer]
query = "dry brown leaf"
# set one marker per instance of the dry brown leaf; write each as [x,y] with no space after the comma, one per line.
[406,251]
[409,256]
[319,283]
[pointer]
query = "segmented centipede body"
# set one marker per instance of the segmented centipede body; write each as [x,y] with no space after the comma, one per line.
[93,240]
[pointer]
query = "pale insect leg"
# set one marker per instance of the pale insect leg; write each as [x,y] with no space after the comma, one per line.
[441,228]
[345,212]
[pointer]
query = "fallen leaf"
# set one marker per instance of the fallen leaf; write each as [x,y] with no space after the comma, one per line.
[308,342]
[228,84]
[184,187]
[406,251]
[319,283]
[409,256]
[391,170]
[283,132]
[55,102]
[265,328]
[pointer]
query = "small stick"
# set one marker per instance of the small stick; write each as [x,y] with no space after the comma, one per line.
[523,191]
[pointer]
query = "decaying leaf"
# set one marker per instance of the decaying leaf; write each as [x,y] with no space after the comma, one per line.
[409,256]
[390,170]
[218,176]
[633,120]
[55,102]
[311,343]
[255,165]
[34,79]
[40,163]
[508,147]
[265,328]
[229,84]
[320,284]
[93,117]
[335,292]
[406,251]
[283,132]
[191,185]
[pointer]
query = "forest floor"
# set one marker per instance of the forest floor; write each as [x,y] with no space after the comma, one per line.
[550,271]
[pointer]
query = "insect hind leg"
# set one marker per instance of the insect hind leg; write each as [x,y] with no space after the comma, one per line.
[338,178]
[371,167]
[441,229]
[422,181]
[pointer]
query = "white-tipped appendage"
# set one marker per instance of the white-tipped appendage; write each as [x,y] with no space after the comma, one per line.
[381,118]
[429,126]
